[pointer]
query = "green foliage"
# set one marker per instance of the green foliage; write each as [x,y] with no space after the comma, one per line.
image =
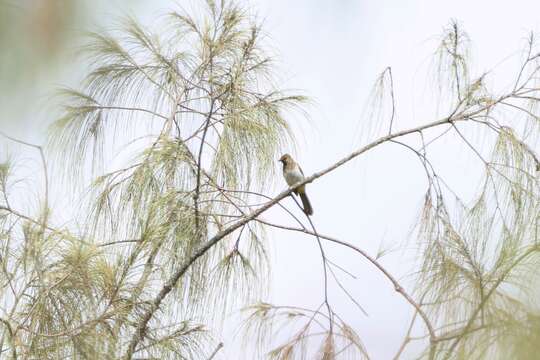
[196,122]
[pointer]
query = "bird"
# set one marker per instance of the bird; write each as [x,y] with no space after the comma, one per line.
[293,174]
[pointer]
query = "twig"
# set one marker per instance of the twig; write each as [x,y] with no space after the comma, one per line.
[407,337]
[323,255]
[199,168]
[389,69]
[220,345]
[354,301]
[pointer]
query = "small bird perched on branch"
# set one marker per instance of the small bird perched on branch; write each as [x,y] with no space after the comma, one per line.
[293,174]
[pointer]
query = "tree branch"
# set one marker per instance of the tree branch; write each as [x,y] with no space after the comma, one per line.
[173,279]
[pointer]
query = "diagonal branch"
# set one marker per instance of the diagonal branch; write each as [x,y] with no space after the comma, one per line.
[174,278]
[374,261]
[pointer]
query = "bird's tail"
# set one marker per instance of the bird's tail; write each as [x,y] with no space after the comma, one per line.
[305,203]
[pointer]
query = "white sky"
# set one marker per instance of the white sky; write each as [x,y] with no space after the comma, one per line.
[333,50]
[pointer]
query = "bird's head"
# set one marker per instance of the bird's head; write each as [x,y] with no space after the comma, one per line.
[285,159]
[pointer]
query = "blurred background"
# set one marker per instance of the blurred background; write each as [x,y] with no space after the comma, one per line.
[39,40]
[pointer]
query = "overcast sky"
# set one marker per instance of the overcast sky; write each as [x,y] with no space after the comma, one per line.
[333,50]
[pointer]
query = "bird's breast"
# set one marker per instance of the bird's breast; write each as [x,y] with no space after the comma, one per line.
[293,176]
